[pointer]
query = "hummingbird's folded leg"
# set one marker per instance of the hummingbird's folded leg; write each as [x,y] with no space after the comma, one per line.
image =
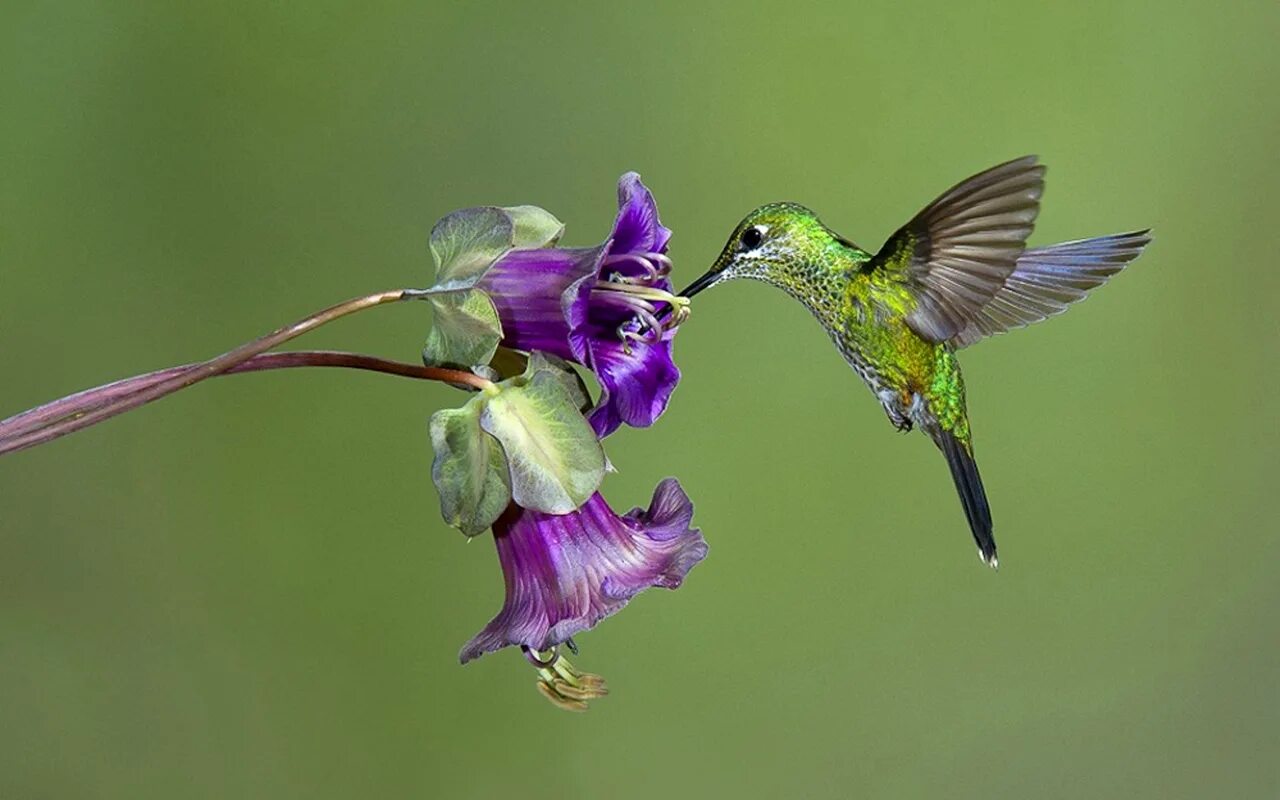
[899,419]
[899,414]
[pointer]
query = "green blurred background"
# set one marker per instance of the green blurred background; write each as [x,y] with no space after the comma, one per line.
[246,590]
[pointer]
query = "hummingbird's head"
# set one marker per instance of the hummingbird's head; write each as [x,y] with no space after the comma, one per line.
[767,243]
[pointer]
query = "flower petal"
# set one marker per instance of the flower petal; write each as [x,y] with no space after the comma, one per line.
[636,386]
[637,229]
[669,513]
[526,288]
[566,573]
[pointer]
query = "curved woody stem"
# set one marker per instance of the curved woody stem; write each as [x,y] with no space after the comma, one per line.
[81,410]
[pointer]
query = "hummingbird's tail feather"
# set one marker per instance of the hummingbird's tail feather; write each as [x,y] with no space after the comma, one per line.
[1047,280]
[964,471]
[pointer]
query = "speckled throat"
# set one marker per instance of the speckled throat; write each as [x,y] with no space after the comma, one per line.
[825,281]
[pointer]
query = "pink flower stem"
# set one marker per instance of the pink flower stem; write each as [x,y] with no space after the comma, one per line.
[83,409]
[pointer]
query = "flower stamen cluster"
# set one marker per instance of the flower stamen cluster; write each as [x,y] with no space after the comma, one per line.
[561,683]
[639,296]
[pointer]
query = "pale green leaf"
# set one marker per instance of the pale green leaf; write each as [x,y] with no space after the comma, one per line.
[533,227]
[466,329]
[465,243]
[469,470]
[555,459]
[564,371]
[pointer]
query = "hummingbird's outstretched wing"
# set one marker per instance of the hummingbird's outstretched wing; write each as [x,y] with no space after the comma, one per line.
[1048,279]
[957,253]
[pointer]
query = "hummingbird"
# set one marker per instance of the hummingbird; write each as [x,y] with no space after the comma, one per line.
[958,272]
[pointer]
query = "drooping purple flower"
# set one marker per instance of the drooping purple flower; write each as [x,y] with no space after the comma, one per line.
[610,308]
[565,573]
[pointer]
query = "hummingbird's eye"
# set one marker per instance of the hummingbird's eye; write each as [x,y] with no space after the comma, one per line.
[753,237]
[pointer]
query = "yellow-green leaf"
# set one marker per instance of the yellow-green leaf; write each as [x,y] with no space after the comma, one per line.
[465,243]
[533,227]
[466,329]
[469,470]
[556,462]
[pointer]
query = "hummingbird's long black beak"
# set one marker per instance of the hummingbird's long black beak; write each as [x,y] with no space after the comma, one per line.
[701,283]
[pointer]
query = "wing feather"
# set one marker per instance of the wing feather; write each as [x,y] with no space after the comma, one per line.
[957,253]
[1046,280]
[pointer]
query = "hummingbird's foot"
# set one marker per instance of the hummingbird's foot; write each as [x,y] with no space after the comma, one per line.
[560,682]
[900,421]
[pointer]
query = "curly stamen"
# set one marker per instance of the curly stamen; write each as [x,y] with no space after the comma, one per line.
[615,292]
[652,329]
[628,335]
[647,323]
[656,265]
[627,301]
[640,290]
